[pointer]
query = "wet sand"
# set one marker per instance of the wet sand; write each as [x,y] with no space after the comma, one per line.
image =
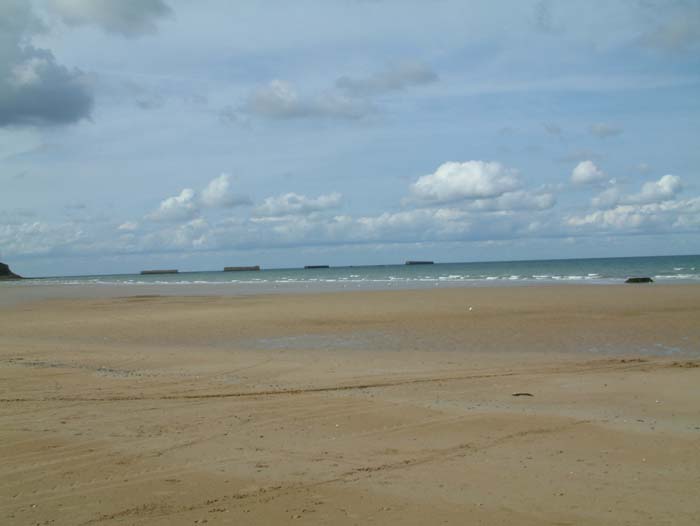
[352,408]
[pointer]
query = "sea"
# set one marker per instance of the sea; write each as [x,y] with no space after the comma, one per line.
[601,271]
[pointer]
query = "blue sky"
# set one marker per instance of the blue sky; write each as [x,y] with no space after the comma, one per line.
[202,134]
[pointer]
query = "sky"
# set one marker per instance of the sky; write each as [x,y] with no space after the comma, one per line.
[201,134]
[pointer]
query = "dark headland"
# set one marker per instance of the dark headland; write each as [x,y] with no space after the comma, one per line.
[6,273]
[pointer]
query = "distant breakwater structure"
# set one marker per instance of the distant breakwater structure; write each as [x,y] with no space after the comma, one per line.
[415,262]
[6,273]
[165,271]
[242,269]
[310,267]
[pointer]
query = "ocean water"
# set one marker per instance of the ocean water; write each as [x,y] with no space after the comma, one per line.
[663,269]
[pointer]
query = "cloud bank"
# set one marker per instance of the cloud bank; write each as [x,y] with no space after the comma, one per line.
[296,204]
[128,18]
[460,202]
[395,78]
[34,89]
[281,100]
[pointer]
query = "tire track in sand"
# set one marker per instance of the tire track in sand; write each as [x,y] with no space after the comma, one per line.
[269,493]
[612,365]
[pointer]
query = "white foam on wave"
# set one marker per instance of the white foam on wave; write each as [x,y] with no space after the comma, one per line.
[384,277]
[678,276]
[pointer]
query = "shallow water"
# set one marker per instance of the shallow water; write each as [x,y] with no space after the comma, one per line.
[669,269]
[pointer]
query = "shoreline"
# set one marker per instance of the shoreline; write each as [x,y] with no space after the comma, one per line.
[13,293]
[683,269]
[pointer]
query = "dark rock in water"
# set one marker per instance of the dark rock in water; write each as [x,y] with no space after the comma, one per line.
[6,273]
[639,280]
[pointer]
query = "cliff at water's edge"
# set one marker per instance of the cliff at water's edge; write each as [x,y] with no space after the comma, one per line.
[6,273]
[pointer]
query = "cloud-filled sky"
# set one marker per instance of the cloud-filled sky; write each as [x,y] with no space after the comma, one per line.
[197,135]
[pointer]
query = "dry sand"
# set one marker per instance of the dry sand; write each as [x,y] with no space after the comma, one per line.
[353,408]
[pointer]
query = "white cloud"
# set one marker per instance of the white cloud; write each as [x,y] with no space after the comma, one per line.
[296,204]
[177,208]
[577,155]
[603,130]
[126,17]
[277,99]
[28,73]
[665,189]
[128,226]
[348,99]
[553,129]
[454,181]
[394,78]
[587,172]
[648,218]
[654,209]
[678,32]
[607,198]
[644,168]
[444,224]
[191,235]
[401,225]
[280,100]
[519,200]
[218,194]
[16,216]
[38,237]
[619,217]
[34,89]
[187,205]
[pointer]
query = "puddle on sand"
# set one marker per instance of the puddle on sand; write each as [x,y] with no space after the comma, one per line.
[354,340]
[656,349]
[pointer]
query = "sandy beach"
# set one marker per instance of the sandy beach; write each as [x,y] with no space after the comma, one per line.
[383,407]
